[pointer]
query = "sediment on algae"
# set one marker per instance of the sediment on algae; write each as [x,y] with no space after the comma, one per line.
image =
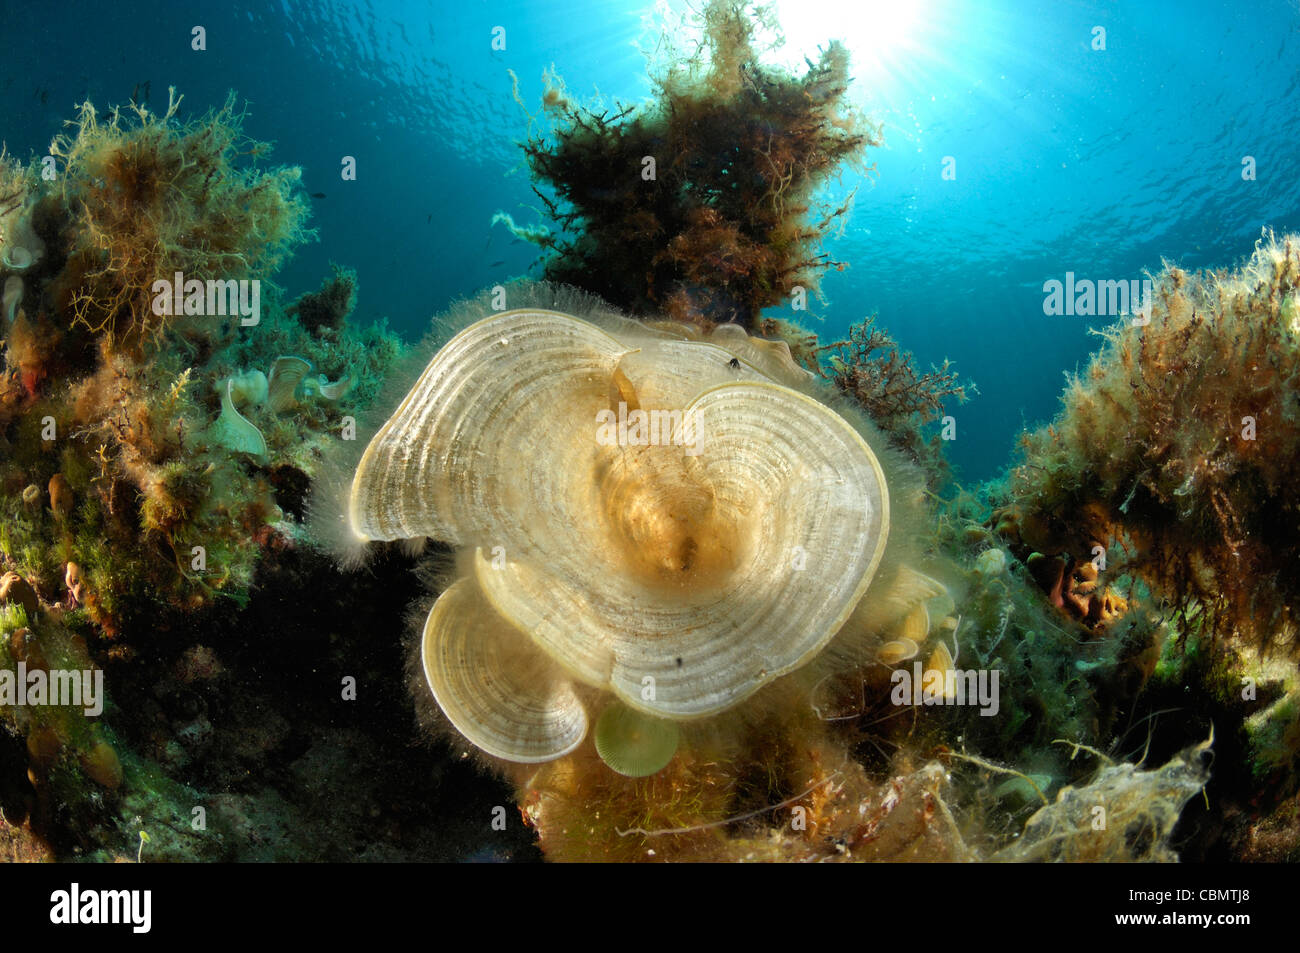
[727,223]
[1181,442]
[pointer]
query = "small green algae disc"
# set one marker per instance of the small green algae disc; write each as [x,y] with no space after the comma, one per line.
[633,744]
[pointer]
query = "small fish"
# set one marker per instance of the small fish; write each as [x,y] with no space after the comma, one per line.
[496,264]
[140,94]
[45,96]
[318,195]
[428,219]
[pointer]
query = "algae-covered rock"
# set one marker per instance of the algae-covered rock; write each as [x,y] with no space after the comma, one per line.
[720,230]
[1182,440]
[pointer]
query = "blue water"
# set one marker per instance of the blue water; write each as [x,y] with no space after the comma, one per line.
[1066,158]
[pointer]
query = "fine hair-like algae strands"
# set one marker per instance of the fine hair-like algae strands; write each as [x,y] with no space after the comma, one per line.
[727,225]
[149,196]
[1182,439]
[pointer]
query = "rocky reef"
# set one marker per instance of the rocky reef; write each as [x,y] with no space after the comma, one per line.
[1172,467]
[1182,441]
[669,574]
[163,411]
[1003,688]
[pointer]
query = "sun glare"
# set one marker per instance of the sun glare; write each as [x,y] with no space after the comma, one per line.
[877,33]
